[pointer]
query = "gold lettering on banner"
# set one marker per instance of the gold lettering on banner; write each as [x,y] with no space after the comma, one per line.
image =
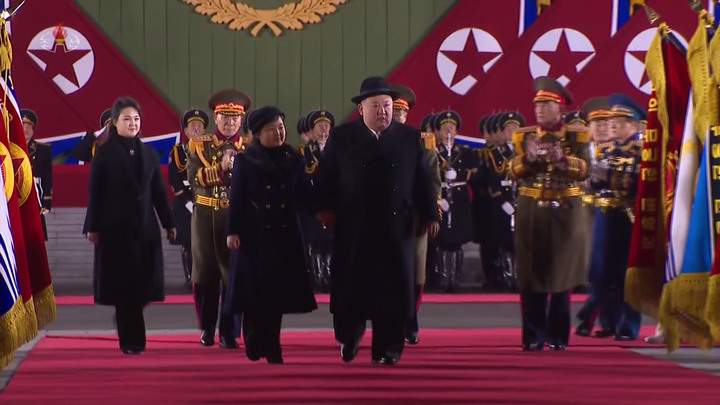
[648,174]
[715,151]
[652,135]
[716,172]
[240,16]
[715,130]
[648,155]
[649,224]
[648,205]
[648,242]
[717,227]
[716,204]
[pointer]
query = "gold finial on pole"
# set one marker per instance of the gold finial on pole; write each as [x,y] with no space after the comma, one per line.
[696,5]
[652,15]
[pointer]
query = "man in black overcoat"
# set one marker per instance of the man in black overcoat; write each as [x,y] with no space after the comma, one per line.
[373,180]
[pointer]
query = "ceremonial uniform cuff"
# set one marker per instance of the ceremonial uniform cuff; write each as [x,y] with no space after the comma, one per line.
[210,176]
[576,168]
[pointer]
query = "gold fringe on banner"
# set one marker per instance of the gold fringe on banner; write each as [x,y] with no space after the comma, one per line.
[17,327]
[643,285]
[45,309]
[712,306]
[6,359]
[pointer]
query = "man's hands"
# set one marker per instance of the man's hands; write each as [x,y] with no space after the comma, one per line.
[233,242]
[171,234]
[93,237]
[432,229]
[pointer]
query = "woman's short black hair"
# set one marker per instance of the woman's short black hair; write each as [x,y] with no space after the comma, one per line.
[123,103]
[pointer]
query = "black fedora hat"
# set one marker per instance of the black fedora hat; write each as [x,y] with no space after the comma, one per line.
[374,86]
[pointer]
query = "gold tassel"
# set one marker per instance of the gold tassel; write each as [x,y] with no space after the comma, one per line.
[712,306]
[682,311]
[45,309]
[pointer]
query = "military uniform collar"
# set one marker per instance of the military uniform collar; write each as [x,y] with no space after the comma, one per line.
[559,132]
[220,139]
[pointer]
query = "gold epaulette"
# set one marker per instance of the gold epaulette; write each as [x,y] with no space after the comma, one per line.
[196,144]
[301,151]
[176,156]
[519,137]
[582,133]
[429,140]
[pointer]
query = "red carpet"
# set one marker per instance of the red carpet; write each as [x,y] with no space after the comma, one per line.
[325,299]
[449,366]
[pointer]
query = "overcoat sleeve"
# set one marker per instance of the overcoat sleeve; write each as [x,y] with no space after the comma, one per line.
[423,189]
[95,202]
[327,176]
[235,217]
[159,194]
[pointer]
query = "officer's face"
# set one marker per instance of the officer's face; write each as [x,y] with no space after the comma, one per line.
[272,134]
[508,132]
[622,128]
[305,138]
[547,113]
[400,115]
[228,125]
[321,130]
[599,130]
[29,131]
[448,130]
[194,128]
[376,112]
[128,123]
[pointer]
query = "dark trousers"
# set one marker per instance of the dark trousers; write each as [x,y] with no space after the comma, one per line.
[541,324]
[130,326]
[261,332]
[623,319]
[388,334]
[413,326]
[592,309]
[207,300]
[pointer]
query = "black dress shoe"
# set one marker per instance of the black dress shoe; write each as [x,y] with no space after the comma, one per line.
[583,329]
[557,347]
[624,338]
[275,360]
[604,333]
[412,338]
[207,338]
[348,352]
[532,346]
[388,361]
[228,342]
[131,350]
[253,355]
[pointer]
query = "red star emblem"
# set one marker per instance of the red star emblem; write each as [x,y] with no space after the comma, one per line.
[469,61]
[61,61]
[563,60]
[17,165]
[640,56]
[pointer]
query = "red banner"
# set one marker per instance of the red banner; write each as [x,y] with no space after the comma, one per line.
[70,74]
[457,55]
[619,67]
[33,236]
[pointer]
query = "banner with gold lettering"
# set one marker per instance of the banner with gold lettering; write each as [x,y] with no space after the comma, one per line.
[667,69]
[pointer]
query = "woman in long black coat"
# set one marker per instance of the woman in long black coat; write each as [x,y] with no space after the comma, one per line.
[268,272]
[126,191]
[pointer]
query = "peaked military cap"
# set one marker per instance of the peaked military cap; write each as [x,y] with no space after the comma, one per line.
[428,121]
[510,117]
[105,117]
[229,102]
[316,116]
[194,114]
[575,117]
[597,108]
[405,99]
[261,117]
[374,86]
[491,124]
[29,117]
[548,89]
[622,105]
[301,125]
[447,116]
[482,125]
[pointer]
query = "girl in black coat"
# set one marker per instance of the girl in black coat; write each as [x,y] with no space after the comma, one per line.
[269,276]
[126,191]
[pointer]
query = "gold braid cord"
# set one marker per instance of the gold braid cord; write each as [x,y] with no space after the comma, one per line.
[240,16]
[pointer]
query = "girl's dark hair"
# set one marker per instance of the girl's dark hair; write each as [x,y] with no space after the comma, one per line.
[120,104]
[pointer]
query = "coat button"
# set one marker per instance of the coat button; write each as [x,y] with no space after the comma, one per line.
[282,206]
[267,226]
[282,186]
[217,195]
[267,187]
[394,213]
[267,206]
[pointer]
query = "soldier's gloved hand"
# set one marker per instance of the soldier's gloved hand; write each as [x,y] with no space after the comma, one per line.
[444,205]
[233,242]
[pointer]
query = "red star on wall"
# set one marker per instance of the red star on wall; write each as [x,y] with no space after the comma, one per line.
[563,60]
[469,61]
[640,56]
[60,61]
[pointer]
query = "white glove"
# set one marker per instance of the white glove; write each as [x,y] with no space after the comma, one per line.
[444,205]
[508,208]
[189,206]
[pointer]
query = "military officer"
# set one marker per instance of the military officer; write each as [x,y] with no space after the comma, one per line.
[617,180]
[401,108]
[193,123]
[318,238]
[41,162]
[210,160]
[597,111]
[85,149]
[551,160]
[459,170]
[497,252]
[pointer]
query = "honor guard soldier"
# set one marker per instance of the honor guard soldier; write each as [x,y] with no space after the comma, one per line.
[551,160]
[458,171]
[597,111]
[318,238]
[302,130]
[84,150]
[497,252]
[401,108]
[41,162]
[210,160]
[193,123]
[616,176]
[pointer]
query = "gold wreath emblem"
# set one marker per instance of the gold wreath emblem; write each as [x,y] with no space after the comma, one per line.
[6,167]
[23,177]
[240,16]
